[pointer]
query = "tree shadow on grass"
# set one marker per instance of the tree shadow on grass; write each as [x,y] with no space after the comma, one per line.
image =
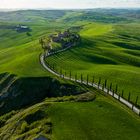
[97,59]
[126,46]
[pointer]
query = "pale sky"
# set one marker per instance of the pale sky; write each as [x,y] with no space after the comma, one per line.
[68,4]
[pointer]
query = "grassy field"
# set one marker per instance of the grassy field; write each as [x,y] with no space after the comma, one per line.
[79,121]
[19,53]
[100,119]
[107,51]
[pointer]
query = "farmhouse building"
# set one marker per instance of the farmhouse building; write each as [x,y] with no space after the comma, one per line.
[22,28]
[58,37]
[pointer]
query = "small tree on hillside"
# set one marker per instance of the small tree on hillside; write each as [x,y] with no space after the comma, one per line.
[129,96]
[136,100]
[41,41]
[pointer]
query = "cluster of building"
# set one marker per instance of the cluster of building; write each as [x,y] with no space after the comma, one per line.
[58,37]
[66,39]
[22,28]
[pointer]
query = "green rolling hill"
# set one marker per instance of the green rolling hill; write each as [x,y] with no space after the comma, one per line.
[35,103]
[107,51]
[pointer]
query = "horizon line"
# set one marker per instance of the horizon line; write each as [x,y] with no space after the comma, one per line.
[17,9]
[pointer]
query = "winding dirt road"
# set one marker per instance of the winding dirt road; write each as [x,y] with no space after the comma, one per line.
[122,100]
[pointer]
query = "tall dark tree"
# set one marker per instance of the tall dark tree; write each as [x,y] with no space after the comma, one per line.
[41,41]
[113,92]
[136,100]
[129,96]
[116,90]
[99,82]
[103,86]
[93,80]
[105,83]
[87,79]
[110,87]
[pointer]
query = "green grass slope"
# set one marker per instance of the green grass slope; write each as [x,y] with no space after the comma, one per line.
[22,60]
[101,119]
[16,93]
[107,51]
[19,53]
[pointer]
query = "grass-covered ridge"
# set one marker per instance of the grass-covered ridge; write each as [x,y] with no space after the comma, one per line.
[95,29]
[14,91]
[109,49]
[111,52]
[75,120]
[19,53]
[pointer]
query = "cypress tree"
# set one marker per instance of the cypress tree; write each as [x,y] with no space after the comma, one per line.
[70,75]
[99,82]
[48,64]
[113,92]
[93,81]
[122,92]
[119,97]
[105,83]
[110,86]
[103,87]
[87,79]
[108,90]
[129,96]
[136,100]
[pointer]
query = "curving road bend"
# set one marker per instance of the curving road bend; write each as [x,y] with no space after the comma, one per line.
[122,100]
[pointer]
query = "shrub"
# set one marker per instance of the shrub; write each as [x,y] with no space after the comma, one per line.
[85,97]
[24,127]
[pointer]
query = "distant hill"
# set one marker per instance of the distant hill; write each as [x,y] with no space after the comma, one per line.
[100,15]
